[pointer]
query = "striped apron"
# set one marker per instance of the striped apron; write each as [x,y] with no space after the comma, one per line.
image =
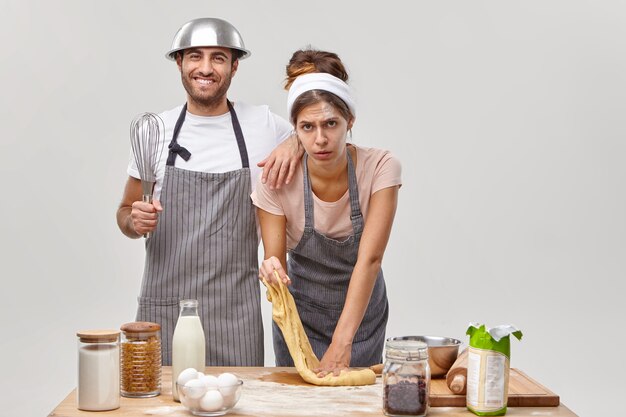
[205,247]
[320,269]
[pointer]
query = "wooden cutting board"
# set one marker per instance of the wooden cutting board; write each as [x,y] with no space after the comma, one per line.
[523,392]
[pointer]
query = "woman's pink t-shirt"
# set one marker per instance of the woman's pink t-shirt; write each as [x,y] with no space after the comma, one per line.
[375,169]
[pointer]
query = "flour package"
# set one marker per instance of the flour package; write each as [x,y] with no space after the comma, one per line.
[488,367]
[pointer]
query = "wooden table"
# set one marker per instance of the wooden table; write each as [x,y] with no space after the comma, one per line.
[279,392]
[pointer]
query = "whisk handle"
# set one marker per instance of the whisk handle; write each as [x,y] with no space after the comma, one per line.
[147,198]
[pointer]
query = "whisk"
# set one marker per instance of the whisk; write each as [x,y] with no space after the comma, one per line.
[146,139]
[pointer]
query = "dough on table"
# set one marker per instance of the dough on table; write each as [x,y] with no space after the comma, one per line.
[286,316]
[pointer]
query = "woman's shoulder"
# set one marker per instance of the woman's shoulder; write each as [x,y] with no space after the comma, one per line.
[286,191]
[373,157]
[378,168]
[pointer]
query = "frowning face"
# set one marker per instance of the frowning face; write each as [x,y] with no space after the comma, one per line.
[322,131]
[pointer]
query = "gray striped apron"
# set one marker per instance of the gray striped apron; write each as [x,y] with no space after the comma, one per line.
[205,247]
[320,269]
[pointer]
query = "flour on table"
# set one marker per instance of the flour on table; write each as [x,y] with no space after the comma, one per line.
[276,399]
[163,411]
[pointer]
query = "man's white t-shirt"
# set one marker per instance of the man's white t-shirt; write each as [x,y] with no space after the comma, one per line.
[212,143]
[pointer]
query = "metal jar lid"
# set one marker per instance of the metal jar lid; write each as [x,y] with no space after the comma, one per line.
[206,32]
[406,348]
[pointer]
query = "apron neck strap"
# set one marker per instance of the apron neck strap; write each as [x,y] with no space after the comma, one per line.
[355,207]
[241,143]
[174,147]
[176,150]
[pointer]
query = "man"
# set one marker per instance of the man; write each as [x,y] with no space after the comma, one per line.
[204,241]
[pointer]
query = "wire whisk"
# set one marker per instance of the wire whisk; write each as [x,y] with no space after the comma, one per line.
[147,142]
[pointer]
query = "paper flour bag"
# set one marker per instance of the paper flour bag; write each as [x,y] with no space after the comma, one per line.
[488,367]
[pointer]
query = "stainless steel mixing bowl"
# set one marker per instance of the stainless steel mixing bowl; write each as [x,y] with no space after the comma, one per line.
[207,31]
[442,352]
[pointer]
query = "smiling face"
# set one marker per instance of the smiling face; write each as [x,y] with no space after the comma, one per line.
[322,129]
[206,74]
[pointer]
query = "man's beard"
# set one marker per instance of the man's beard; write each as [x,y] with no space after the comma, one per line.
[207,100]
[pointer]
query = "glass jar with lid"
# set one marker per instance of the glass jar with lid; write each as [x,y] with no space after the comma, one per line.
[140,359]
[98,370]
[406,377]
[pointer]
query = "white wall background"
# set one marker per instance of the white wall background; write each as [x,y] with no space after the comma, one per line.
[508,118]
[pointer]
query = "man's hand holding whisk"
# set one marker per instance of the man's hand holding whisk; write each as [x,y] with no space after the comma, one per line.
[144,216]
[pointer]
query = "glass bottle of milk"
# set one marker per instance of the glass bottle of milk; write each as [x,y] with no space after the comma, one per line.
[188,344]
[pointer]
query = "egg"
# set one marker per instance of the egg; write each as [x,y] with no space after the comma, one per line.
[227,379]
[211,401]
[210,381]
[227,383]
[191,403]
[187,375]
[194,388]
[200,375]
[230,399]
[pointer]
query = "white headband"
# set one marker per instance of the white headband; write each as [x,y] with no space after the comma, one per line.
[320,81]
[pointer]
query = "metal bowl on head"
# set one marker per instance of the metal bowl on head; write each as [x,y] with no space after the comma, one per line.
[442,352]
[207,32]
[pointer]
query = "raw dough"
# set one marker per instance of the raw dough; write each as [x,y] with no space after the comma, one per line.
[286,316]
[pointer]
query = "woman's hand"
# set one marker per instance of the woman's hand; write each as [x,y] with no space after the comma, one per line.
[270,267]
[336,358]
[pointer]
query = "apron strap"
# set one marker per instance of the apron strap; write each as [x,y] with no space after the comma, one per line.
[176,150]
[356,216]
[241,143]
[355,208]
[308,198]
[174,147]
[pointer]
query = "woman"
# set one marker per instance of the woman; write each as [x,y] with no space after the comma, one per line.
[334,218]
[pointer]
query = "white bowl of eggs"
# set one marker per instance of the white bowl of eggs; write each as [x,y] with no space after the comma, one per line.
[208,395]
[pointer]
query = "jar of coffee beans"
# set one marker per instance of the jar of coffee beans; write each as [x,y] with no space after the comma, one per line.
[406,377]
[140,359]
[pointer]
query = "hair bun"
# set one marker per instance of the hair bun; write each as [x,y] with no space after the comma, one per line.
[307,61]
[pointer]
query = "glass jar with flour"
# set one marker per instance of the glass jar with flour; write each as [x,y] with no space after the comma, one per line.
[98,370]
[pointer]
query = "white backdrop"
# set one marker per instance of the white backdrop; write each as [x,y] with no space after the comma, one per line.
[507,117]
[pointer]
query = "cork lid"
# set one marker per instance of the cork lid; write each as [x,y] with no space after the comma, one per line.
[95,336]
[140,327]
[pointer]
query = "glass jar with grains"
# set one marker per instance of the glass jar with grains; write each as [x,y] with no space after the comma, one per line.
[140,363]
[406,377]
